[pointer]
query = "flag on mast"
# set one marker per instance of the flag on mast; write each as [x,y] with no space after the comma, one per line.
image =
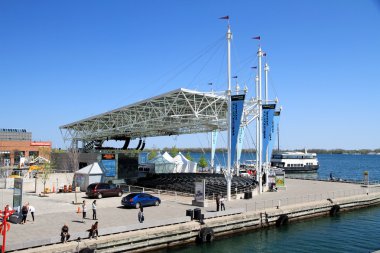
[257,38]
[225,17]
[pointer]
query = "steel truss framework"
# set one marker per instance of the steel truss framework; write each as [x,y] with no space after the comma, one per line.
[181,111]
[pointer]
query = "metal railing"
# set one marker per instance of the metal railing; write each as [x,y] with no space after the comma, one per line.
[261,205]
[308,198]
[328,179]
[133,188]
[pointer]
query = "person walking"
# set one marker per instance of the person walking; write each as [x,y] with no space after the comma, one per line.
[65,233]
[217,202]
[32,210]
[93,231]
[222,207]
[84,210]
[94,210]
[140,215]
[24,212]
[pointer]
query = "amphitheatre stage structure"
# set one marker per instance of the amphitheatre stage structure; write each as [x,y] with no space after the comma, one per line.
[181,111]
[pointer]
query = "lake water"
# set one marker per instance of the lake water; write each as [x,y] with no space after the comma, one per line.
[355,231]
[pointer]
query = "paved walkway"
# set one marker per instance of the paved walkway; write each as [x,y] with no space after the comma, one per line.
[53,211]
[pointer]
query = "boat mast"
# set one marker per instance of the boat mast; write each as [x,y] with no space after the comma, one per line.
[228,174]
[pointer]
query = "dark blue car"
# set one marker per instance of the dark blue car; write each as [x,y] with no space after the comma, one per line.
[137,200]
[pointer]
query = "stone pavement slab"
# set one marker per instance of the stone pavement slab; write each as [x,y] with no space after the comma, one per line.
[57,209]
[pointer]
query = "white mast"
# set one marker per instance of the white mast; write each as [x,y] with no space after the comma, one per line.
[257,130]
[228,174]
[266,70]
[259,103]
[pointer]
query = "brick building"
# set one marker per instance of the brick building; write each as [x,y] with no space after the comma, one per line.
[17,144]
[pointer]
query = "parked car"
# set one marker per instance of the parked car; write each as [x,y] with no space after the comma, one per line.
[100,190]
[137,200]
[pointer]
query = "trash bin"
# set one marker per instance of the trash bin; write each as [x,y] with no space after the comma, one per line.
[197,214]
[247,195]
[189,212]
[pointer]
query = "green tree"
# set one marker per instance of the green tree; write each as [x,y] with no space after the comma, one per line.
[188,156]
[202,162]
[45,174]
[152,154]
[174,151]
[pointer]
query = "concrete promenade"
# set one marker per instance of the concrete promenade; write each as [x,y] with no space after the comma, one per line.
[53,211]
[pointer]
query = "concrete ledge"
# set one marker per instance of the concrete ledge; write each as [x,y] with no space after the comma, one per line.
[102,232]
[161,233]
[209,215]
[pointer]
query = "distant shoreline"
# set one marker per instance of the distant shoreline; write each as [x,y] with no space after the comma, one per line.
[208,150]
[318,151]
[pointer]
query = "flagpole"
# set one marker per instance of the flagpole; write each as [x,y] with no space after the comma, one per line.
[266,70]
[257,130]
[259,103]
[228,175]
[267,159]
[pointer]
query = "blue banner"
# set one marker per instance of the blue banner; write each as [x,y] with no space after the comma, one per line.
[214,137]
[240,142]
[237,105]
[110,168]
[273,134]
[268,113]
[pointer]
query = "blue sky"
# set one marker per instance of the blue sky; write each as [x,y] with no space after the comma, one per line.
[62,61]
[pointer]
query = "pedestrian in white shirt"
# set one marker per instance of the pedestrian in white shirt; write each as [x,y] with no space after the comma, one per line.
[222,207]
[32,210]
[94,210]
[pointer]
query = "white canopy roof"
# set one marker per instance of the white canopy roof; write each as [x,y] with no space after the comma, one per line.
[184,165]
[180,111]
[93,169]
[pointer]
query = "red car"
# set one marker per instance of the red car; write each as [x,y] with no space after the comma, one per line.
[100,190]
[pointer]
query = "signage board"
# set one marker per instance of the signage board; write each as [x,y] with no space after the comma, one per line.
[200,191]
[17,193]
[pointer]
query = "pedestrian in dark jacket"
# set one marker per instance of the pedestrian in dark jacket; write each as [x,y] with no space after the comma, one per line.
[24,212]
[93,231]
[140,215]
[217,202]
[65,233]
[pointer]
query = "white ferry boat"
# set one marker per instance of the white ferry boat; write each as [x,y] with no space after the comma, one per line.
[294,162]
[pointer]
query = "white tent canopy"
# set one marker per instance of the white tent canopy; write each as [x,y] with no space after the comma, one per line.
[92,173]
[184,165]
[163,163]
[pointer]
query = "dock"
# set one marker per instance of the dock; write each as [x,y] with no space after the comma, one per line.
[168,225]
